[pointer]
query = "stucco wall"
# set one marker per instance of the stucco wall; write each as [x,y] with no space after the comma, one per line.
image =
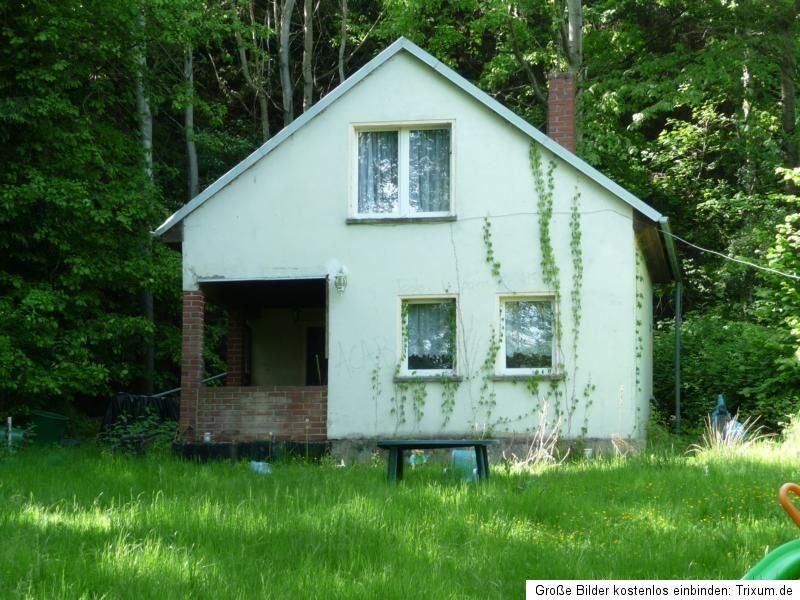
[644,347]
[286,217]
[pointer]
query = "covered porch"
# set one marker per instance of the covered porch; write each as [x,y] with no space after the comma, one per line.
[277,372]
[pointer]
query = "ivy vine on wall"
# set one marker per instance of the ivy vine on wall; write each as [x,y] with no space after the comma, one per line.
[565,397]
[559,391]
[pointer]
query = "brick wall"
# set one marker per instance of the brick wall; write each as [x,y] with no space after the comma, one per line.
[191,360]
[244,414]
[561,110]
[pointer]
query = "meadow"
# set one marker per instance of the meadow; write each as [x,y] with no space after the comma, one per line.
[81,523]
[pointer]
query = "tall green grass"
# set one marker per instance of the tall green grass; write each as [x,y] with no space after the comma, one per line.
[78,524]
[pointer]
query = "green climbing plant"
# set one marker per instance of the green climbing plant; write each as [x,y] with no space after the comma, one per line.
[639,352]
[401,388]
[449,389]
[545,185]
[562,393]
[419,397]
[639,323]
[494,264]
[576,253]
[487,400]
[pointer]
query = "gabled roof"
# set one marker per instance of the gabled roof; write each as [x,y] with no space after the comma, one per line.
[404,45]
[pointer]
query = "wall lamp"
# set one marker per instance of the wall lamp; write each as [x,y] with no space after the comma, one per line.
[340,281]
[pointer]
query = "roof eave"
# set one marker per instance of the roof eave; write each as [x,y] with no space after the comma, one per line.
[669,244]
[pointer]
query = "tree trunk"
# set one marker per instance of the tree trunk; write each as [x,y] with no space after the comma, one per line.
[570,34]
[283,56]
[192,178]
[788,67]
[575,37]
[308,50]
[143,107]
[146,134]
[260,92]
[342,41]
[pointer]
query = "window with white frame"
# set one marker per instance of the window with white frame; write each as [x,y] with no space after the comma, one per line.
[528,335]
[403,171]
[429,335]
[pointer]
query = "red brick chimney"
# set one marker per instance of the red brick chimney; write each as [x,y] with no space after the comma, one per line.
[561,110]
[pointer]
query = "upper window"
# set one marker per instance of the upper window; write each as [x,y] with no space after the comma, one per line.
[430,336]
[528,328]
[404,172]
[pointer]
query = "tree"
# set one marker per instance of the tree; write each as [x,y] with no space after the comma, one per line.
[145,117]
[75,202]
[254,56]
[287,86]
[192,178]
[342,41]
[308,54]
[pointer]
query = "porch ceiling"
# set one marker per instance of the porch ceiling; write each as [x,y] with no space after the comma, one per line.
[277,293]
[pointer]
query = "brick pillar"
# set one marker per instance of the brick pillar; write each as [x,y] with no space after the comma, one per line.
[191,362]
[561,110]
[235,348]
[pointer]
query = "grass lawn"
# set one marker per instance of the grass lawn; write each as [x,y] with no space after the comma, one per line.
[77,523]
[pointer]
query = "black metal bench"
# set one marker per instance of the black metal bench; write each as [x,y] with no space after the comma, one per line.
[397,447]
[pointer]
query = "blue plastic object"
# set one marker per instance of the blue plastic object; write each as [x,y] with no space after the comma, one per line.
[721,416]
[465,464]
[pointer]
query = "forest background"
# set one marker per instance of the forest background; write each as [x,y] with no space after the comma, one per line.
[114,114]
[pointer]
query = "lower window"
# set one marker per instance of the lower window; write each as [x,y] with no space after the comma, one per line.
[430,336]
[528,332]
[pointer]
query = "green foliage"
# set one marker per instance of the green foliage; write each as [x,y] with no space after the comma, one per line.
[487,400]
[75,206]
[565,397]
[419,396]
[784,301]
[506,50]
[576,254]
[138,435]
[449,389]
[639,324]
[494,265]
[746,362]
[545,184]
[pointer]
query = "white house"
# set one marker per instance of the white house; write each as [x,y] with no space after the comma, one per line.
[393,265]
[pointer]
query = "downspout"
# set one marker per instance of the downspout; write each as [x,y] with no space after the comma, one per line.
[672,257]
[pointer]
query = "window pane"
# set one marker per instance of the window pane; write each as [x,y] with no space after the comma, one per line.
[377,171]
[431,327]
[529,334]
[429,170]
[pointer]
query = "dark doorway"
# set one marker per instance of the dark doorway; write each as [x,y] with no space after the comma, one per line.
[316,362]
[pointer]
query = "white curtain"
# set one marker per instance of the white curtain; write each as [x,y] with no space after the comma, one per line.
[429,170]
[529,334]
[377,171]
[430,344]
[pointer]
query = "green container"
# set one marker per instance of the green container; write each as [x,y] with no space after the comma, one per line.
[48,427]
